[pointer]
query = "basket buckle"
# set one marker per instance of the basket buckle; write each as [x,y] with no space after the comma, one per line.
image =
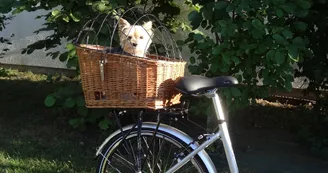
[102,73]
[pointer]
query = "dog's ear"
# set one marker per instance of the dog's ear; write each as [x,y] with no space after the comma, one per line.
[148,25]
[122,24]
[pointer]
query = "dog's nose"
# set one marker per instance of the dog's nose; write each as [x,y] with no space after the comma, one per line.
[134,44]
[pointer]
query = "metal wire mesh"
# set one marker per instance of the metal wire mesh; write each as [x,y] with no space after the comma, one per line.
[103,30]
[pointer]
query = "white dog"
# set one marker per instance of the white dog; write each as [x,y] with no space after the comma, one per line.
[135,39]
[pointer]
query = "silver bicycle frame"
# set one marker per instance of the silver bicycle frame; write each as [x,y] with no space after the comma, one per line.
[223,134]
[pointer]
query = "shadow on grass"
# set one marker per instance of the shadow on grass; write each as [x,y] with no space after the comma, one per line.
[35,139]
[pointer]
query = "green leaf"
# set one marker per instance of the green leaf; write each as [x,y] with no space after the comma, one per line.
[230,8]
[66,18]
[301,26]
[289,78]
[232,29]
[101,7]
[69,102]
[217,50]
[55,13]
[192,15]
[76,122]
[278,38]
[293,52]
[80,101]
[82,110]
[277,2]
[247,25]
[235,60]
[202,45]
[261,49]
[304,4]
[198,37]
[226,58]
[279,12]
[208,13]
[75,19]
[72,54]
[301,12]
[104,124]
[235,92]
[287,33]
[214,67]
[195,18]
[88,2]
[70,46]
[299,42]
[50,101]
[256,33]
[288,7]
[240,52]
[279,57]
[63,57]
[223,23]
[288,86]
[221,4]
[257,23]
[270,54]
[17,10]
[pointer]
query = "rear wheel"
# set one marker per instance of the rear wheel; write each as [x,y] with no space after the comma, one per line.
[158,153]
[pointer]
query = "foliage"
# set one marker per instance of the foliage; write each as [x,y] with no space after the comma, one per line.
[5,7]
[315,69]
[66,19]
[70,96]
[315,66]
[252,40]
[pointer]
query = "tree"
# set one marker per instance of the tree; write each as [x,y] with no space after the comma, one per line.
[5,7]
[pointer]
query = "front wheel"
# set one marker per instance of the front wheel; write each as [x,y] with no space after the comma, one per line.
[159,152]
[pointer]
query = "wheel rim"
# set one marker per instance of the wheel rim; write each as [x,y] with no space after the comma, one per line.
[163,154]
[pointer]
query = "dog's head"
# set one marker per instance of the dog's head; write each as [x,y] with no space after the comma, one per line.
[135,39]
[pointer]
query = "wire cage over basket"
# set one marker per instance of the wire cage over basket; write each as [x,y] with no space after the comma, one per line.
[113,76]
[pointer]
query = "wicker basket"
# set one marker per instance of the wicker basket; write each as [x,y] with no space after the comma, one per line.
[121,81]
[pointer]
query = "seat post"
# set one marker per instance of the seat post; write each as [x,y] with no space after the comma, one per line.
[225,137]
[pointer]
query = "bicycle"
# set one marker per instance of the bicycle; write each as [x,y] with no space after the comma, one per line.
[148,146]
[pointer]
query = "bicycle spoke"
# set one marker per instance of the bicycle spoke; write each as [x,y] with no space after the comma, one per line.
[168,158]
[147,158]
[124,161]
[156,153]
[132,150]
[159,154]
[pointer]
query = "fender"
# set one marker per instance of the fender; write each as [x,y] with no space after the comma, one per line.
[174,132]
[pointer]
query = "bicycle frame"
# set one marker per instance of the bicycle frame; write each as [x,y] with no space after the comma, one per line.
[222,133]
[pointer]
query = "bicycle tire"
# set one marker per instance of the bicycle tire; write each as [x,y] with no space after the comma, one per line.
[113,148]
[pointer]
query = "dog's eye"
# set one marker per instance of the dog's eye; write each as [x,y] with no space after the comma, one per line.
[141,37]
[129,37]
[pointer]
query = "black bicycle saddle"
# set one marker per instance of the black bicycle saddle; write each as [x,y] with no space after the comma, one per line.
[196,84]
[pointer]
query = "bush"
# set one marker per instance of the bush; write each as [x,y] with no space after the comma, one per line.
[252,40]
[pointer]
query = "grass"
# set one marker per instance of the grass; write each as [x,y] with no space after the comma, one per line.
[32,137]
